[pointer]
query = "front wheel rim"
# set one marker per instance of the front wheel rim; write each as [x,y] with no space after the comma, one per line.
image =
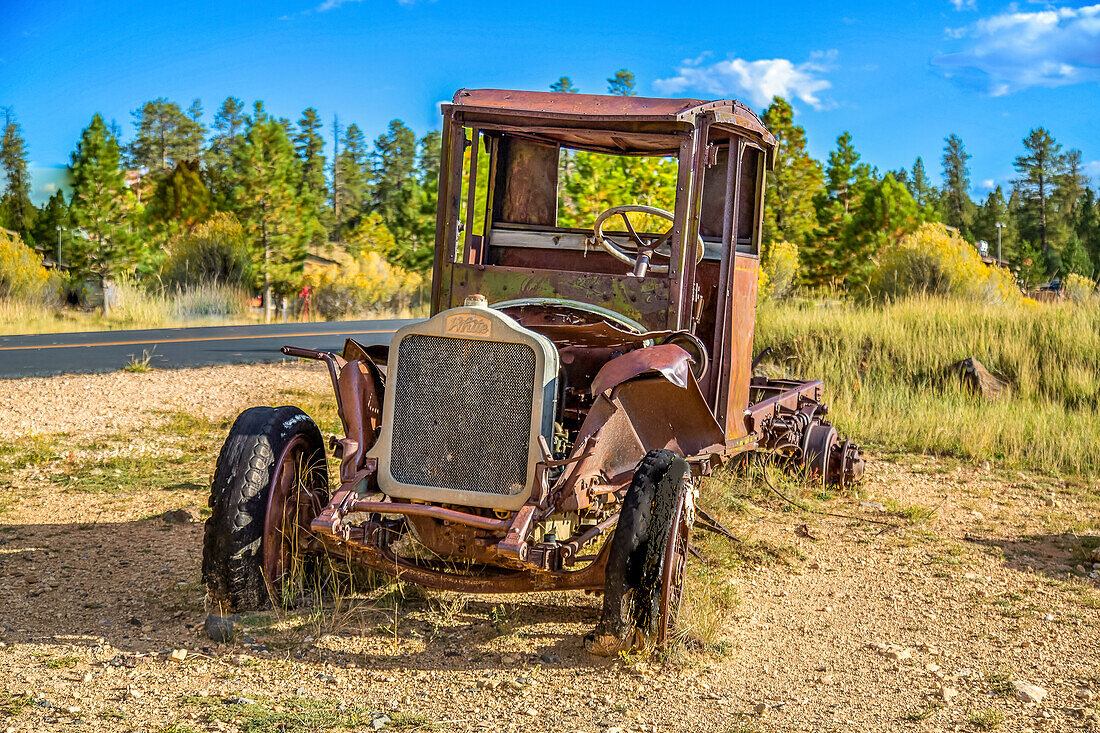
[294,499]
[673,572]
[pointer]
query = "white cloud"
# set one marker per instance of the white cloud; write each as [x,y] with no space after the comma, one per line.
[965,4]
[1016,50]
[333,4]
[758,80]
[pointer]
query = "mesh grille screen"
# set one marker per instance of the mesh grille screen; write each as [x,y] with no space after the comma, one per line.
[462,414]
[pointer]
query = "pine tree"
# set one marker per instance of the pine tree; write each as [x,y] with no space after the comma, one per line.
[955,205]
[229,124]
[1069,188]
[276,223]
[393,184]
[165,135]
[886,213]
[310,149]
[16,210]
[844,174]
[564,85]
[846,181]
[622,84]
[920,185]
[417,255]
[789,212]
[1088,225]
[350,181]
[1039,169]
[193,134]
[100,205]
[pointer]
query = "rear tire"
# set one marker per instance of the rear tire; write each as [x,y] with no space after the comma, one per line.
[633,591]
[244,567]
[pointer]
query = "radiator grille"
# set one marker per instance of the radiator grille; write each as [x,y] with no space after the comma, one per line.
[462,414]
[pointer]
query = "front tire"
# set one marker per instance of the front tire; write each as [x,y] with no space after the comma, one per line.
[645,561]
[270,481]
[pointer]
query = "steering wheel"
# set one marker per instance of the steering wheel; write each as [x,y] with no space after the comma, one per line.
[639,252]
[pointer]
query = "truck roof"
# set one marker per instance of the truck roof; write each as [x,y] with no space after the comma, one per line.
[643,116]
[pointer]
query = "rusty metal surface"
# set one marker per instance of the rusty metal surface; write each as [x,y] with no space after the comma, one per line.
[645,300]
[430,510]
[595,108]
[670,361]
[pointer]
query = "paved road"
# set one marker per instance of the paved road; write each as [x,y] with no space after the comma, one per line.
[107,351]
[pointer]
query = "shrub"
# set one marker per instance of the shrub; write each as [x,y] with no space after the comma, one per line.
[778,270]
[936,261]
[368,284]
[22,274]
[1079,288]
[215,252]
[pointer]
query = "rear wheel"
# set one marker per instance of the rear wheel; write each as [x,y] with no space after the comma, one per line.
[270,482]
[645,568]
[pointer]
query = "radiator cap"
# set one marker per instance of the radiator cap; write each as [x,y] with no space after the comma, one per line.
[476,300]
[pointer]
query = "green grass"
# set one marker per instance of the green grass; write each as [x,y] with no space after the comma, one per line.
[66,662]
[31,450]
[987,719]
[292,716]
[11,704]
[883,367]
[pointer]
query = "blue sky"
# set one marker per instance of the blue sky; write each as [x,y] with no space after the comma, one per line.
[898,76]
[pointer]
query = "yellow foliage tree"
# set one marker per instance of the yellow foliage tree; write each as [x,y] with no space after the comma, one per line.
[936,261]
[22,275]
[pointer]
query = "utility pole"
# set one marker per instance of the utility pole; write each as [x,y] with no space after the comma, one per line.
[59,230]
[1000,226]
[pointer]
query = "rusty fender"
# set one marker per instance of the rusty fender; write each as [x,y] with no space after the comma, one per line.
[646,399]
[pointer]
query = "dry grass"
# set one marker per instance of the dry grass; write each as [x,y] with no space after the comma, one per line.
[884,371]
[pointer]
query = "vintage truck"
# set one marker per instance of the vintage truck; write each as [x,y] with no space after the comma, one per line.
[546,427]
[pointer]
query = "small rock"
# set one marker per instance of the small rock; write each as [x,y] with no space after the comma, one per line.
[1084,693]
[134,693]
[976,514]
[178,655]
[533,712]
[219,628]
[240,701]
[1029,693]
[379,721]
[947,694]
[1096,554]
[760,708]
[872,505]
[894,652]
[1049,500]
[549,658]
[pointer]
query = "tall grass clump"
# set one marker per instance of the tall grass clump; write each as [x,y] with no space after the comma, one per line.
[139,307]
[884,368]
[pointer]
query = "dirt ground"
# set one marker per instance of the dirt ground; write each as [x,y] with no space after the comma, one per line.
[980,586]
